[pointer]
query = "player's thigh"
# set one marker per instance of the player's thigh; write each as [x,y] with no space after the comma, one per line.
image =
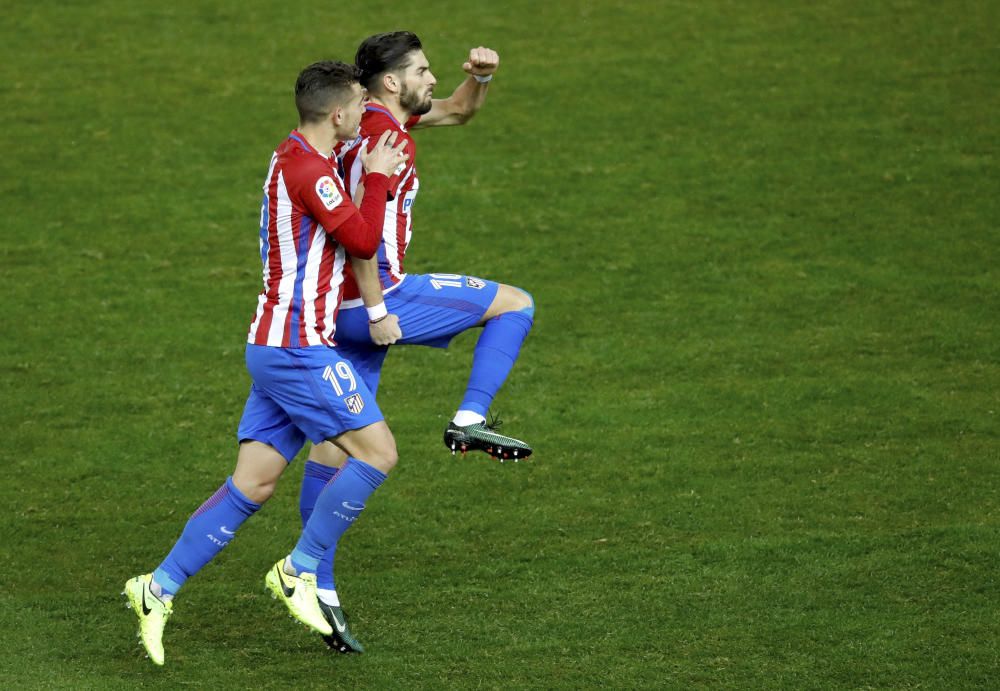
[316,388]
[434,308]
[328,454]
[373,444]
[509,299]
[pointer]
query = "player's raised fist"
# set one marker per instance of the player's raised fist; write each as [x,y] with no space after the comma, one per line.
[482,61]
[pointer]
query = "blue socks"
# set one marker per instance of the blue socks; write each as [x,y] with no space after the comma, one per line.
[209,529]
[336,509]
[330,502]
[494,357]
[314,479]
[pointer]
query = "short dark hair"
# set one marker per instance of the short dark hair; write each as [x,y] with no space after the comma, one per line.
[381,53]
[321,87]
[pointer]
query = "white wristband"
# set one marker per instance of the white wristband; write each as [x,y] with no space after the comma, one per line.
[377,312]
[482,79]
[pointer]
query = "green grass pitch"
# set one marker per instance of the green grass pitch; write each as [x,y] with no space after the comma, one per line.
[763,384]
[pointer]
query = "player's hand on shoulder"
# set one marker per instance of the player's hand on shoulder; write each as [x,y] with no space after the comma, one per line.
[482,61]
[386,330]
[385,157]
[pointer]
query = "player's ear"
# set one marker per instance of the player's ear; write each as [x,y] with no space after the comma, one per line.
[390,83]
[337,116]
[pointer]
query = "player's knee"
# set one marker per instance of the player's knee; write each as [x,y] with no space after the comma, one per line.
[512,299]
[258,467]
[382,454]
[524,302]
[257,490]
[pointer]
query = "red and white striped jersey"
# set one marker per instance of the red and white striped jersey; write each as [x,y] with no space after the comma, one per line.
[403,186]
[307,220]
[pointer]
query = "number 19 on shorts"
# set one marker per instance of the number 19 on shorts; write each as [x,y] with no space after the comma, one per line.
[340,373]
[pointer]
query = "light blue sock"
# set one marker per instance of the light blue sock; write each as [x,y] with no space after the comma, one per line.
[314,478]
[337,507]
[494,357]
[209,529]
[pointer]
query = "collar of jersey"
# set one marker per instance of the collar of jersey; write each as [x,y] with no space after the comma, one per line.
[381,109]
[297,136]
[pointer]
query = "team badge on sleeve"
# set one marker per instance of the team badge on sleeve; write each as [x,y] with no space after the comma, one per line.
[476,283]
[326,190]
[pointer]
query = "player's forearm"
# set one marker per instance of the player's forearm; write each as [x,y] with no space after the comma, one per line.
[458,108]
[362,233]
[468,98]
[366,275]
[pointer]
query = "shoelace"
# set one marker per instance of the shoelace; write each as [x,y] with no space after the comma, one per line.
[495,422]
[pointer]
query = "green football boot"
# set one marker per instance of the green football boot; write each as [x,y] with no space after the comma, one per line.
[152,612]
[486,438]
[341,640]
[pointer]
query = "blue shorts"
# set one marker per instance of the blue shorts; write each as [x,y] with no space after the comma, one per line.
[303,393]
[432,310]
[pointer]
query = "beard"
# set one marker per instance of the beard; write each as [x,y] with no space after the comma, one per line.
[410,101]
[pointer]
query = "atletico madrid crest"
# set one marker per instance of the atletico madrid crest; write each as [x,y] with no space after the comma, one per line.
[355,403]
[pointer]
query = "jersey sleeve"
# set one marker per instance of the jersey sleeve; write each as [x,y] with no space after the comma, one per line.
[322,195]
[319,191]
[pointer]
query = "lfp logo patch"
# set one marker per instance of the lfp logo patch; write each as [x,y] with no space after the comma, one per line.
[326,190]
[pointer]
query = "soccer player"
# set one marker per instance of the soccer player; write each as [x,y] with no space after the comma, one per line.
[384,305]
[302,386]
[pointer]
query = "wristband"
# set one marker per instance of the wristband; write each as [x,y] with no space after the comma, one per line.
[377,313]
[482,79]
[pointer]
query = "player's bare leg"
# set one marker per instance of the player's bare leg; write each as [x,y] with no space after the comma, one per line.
[373,444]
[508,299]
[258,467]
[328,454]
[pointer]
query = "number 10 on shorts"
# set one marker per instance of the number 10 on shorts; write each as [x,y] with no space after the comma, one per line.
[336,374]
[440,281]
